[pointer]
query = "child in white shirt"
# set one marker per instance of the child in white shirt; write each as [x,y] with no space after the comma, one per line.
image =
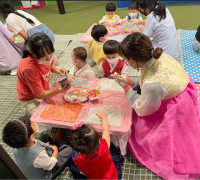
[112,64]
[81,68]
[110,19]
[134,14]
[36,159]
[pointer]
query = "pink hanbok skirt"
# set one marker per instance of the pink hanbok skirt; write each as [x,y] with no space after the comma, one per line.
[168,141]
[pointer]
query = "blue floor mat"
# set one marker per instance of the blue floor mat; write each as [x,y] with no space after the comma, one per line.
[191,59]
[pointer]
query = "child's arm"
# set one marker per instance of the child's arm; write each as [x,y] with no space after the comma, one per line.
[105,127]
[124,20]
[43,160]
[100,71]
[55,151]
[70,77]
[103,21]
[106,24]
[118,21]
[142,22]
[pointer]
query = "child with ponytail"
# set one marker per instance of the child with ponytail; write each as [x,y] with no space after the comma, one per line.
[91,155]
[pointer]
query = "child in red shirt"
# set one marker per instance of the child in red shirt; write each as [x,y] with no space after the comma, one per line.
[94,159]
[112,63]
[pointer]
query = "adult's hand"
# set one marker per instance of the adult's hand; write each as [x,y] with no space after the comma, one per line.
[120,80]
[64,88]
[60,71]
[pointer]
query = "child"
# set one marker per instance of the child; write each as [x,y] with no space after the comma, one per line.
[95,46]
[134,14]
[110,19]
[81,68]
[36,160]
[112,63]
[196,43]
[94,159]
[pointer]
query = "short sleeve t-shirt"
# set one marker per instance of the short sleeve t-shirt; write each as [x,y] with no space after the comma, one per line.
[163,33]
[18,23]
[32,78]
[99,165]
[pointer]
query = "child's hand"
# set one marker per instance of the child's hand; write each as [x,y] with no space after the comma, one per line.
[55,148]
[106,24]
[101,114]
[70,77]
[115,24]
[133,21]
[60,71]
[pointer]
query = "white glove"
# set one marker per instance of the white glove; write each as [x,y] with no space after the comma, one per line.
[120,80]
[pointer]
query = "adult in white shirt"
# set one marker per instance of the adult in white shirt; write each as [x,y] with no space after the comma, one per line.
[160,27]
[23,23]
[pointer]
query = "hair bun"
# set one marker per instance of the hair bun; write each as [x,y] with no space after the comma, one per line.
[157,53]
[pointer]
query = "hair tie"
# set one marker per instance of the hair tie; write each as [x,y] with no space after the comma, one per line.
[152,52]
[79,126]
[25,128]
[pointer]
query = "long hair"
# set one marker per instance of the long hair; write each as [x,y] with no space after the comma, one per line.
[158,8]
[7,8]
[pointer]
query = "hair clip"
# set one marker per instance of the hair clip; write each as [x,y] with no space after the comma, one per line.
[78,126]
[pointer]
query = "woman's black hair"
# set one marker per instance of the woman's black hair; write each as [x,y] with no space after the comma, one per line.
[158,8]
[84,140]
[25,50]
[37,44]
[7,8]
[110,47]
[14,134]
[110,7]
[98,31]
